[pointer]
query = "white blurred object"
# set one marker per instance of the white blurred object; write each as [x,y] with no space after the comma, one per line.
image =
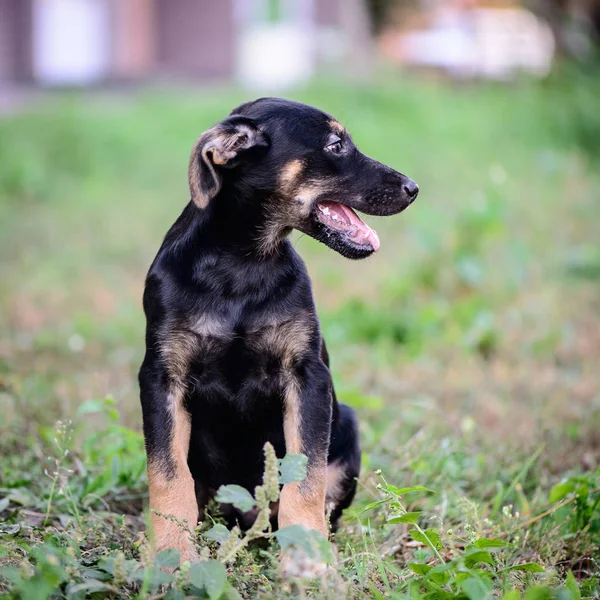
[71,41]
[484,42]
[275,56]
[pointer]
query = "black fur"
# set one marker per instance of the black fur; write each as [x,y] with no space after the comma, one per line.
[228,259]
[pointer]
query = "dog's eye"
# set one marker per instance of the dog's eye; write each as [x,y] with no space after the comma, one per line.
[335,147]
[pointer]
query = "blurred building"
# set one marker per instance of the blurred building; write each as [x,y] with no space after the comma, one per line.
[82,42]
[492,39]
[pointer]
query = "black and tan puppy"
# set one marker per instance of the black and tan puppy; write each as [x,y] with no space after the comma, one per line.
[234,353]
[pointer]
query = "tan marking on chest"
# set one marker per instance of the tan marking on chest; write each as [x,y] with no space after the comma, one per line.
[288,340]
[177,349]
[179,346]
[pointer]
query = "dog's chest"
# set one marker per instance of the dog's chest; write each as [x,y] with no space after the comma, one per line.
[218,356]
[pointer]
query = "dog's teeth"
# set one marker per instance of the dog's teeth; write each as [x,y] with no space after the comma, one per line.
[325,211]
[335,217]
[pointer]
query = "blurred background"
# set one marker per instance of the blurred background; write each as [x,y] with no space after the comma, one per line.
[470,340]
[284,42]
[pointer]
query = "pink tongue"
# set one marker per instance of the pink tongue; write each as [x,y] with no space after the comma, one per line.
[363,233]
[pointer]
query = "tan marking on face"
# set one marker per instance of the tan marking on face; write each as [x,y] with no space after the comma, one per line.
[337,127]
[305,196]
[295,206]
[304,503]
[290,174]
[174,493]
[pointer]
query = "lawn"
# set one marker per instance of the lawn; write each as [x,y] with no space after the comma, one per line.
[469,345]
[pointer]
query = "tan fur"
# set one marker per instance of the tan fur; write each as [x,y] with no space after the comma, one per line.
[199,152]
[177,348]
[299,503]
[304,503]
[291,419]
[288,339]
[336,475]
[305,195]
[207,325]
[290,174]
[214,147]
[273,232]
[174,494]
[337,127]
[296,204]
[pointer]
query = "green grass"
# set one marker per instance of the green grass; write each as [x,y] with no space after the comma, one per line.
[469,346]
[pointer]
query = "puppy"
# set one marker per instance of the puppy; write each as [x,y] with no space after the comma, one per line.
[234,352]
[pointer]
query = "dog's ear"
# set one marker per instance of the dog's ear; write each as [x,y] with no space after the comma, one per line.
[222,146]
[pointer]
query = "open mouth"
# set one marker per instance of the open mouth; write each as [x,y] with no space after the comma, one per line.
[343,219]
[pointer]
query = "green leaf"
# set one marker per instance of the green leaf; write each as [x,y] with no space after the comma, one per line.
[94,574]
[406,490]
[219,533]
[409,517]
[419,568]
[478,556]
[573,587]
[311,541]
[485,543]
[210,576]
[90,407]
[237,495]
[160,577]
[512,595]
[292,467]
[440,578]
[375,593]
[167,559]
[373,505]
[476,588]
[529,567]
[538,593]
[293,535]
[90,586]
[560,490]
[431,537]
[231,593]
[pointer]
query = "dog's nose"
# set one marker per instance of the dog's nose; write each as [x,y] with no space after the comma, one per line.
[411,189]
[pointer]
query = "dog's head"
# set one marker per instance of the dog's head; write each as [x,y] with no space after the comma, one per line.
[296,167]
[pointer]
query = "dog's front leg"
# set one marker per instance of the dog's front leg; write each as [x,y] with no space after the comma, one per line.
[167,428]
[307,428]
